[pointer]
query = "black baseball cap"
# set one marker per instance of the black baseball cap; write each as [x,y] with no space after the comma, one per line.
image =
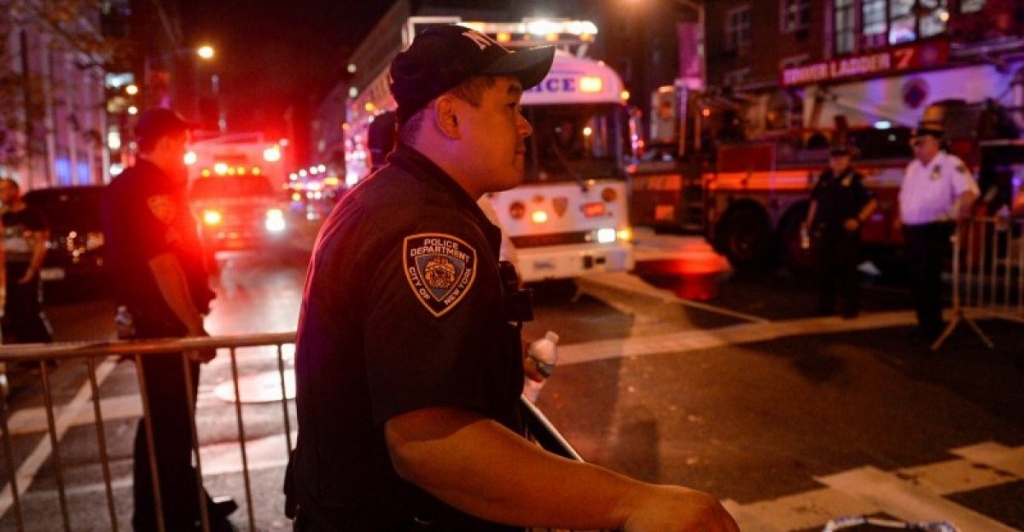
[924,131]
[840,150]
[444,56]
[160,122]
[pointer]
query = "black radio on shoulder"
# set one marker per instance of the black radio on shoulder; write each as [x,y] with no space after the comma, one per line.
[518,300]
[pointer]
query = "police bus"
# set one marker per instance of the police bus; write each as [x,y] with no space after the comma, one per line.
[569,218]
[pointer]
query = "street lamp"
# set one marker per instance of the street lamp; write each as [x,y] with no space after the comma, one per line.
[162,97]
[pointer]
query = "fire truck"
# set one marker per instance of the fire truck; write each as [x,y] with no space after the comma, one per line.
[236,188]
[569,217]
[749,195]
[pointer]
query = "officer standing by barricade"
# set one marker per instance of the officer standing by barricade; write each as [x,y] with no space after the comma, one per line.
[937,191]
[840,204]
[153,252]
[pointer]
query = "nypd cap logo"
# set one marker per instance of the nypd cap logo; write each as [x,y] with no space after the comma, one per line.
[440,269]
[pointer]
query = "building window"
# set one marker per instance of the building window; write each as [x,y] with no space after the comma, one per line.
[845,26]
[874,23]
[737,28]
[796,15]
[971,6]
[910,20]
[887,22]
[736,78]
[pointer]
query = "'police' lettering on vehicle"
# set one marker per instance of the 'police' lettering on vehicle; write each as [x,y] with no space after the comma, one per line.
[557,84]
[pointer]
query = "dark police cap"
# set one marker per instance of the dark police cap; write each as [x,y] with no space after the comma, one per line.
[442,57]
[160,122]
[840,151]
[927,131]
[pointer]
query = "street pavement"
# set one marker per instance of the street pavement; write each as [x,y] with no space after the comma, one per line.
[648,412]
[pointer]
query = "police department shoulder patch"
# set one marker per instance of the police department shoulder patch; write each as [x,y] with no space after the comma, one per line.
[440,269]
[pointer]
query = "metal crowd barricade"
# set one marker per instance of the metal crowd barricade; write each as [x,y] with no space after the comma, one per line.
[12,489]
[91,353]
[988,274]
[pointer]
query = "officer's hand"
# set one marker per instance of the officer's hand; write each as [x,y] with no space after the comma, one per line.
[203,355]
[678,509]
[851,224]
[530,368]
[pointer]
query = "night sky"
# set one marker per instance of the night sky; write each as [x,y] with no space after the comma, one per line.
[272,55]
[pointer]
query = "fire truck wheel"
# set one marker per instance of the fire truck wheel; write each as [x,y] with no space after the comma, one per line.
[746,240]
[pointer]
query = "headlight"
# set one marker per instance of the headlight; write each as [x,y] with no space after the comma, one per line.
[275,221]
[212,217]
[605,235]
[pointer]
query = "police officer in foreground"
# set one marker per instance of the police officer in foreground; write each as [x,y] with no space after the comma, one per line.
[408,370]
[840,204]
[154,256]
[937,191]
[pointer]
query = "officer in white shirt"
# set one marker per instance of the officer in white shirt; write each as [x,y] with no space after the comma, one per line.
[937,191]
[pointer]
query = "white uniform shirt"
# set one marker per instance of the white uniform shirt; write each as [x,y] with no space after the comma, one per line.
[929,191]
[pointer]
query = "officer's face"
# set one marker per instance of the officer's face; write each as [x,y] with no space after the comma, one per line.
[838,163]
[170,155]
[492,136]
[925,148]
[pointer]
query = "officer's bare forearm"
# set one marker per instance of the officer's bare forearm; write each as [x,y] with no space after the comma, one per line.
[170,279]
[866,210]
[484,469]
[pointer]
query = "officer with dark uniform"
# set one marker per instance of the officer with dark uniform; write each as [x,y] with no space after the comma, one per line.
[408,364]
[937,191]
[840,204]
[154,257]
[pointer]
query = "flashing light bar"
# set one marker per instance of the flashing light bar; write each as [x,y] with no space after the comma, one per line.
[583,29]
[222,169]
[592,84]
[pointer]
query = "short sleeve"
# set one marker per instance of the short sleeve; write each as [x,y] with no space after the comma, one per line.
[961,177]
[434,325]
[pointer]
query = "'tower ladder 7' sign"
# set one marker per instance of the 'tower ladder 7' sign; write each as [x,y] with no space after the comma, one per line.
[881,63]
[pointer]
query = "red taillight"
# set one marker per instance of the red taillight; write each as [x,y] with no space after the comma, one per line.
[517,210]
[609,194]
[591,210]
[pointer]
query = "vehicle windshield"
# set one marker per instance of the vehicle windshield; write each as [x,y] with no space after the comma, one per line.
[232,186]
[574,142]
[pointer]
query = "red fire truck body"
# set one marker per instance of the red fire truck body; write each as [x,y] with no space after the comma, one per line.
[749,196]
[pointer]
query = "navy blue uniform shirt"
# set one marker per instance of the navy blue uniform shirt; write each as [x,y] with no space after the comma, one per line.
[144,215]
[839,198]
[403,310]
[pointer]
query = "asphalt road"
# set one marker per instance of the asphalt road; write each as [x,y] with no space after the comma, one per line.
[788,418]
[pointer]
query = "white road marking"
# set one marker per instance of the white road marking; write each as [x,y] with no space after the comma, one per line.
[631,283]
[63,418]
[905,501]
[694,340]
[912,494]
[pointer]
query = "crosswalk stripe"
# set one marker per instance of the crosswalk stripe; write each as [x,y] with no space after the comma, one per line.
[905,501]
[1010,460]
[913,494]
[746,333]
[798,512]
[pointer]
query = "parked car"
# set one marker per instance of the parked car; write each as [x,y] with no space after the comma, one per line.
[75,248]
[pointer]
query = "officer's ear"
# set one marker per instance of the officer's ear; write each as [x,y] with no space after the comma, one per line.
[445,116]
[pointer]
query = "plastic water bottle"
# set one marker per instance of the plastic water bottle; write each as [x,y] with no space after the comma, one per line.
[123,323]
[544,353]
